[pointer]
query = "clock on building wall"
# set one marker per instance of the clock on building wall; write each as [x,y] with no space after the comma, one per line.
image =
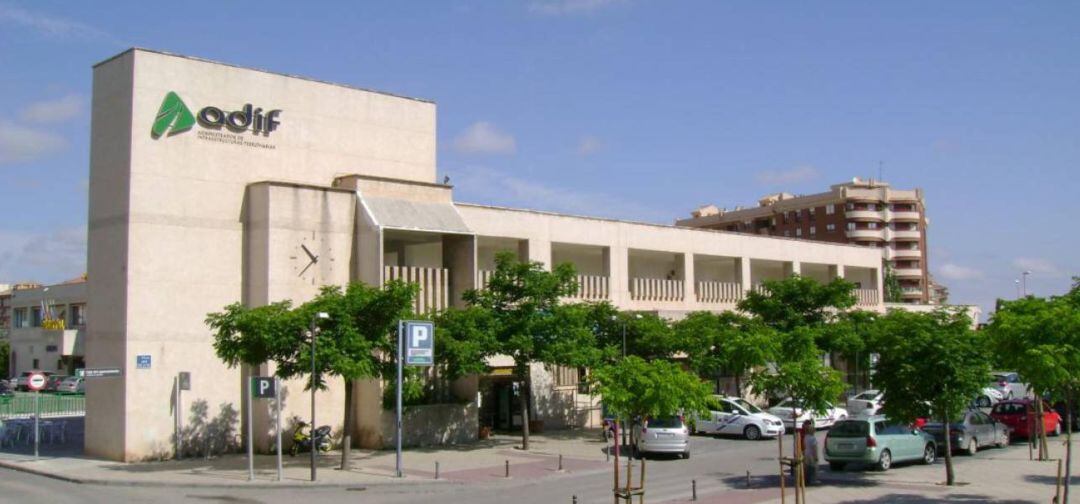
[311,259]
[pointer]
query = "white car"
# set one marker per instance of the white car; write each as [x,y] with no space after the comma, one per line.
[868,403]
[989,397]
[785,410]
[1009,384]
[738,417]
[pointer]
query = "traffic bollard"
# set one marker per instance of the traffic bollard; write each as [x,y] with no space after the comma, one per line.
[747,479]
[436,469]
[560,462]
[693,490]
[574,500]
[507,468]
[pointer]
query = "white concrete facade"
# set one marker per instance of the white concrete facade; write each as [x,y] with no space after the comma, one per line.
[184,223]
[47,328]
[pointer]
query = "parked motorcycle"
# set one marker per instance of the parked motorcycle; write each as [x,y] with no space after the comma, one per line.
[302,440]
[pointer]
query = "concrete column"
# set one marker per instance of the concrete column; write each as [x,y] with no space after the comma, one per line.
[459,256]
[536,250]
[836,271]
[619,275]
[743,274]
[684,269]
[792,268]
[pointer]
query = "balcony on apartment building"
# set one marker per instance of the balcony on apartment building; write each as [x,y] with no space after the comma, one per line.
[866,234]
[904,271]
[438,263]
[892,253]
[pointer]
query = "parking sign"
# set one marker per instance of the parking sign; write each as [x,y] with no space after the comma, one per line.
[419,343]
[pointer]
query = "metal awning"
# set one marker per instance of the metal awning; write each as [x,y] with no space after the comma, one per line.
[415,215]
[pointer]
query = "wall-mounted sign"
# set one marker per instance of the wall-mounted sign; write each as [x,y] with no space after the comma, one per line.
[142,362]
[101,372]
[218,125]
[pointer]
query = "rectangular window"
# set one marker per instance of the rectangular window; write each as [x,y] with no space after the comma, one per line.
[871,207]
[20,317]
[35,318]
[36,366]
[830,227]
[78,315]
[830,209]
[871,225]
[851,226]
[813,230]
[798,232]
[850,206]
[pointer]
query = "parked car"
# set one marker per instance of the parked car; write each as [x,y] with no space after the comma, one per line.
[876,441]
[6,389]
[1019,415]
[1009,384]
[736,416]
[971,432]
[989,397]
[867,403]
[662,435]
[53,382]
[1063,411]
[786,411]
[72,385]
[23,383]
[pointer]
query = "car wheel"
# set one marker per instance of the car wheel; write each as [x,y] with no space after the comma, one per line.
[885,461]
[836,466]
[983,402]
[686,455]
[752,432]
[1003,441]
[929,454]
[972,447]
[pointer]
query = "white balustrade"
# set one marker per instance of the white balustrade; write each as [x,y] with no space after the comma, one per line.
[719,292]
[434,285]
[656,289]
[866,297]
[592,287]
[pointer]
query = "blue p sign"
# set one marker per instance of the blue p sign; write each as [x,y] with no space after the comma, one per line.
[420,343]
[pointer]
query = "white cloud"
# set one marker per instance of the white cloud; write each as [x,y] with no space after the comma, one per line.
[487,186]
[1036,265]
[953,271]
[19,144]
[484,138]
[49,26]
[803,173]
[589,145]
[51,111]
[564,7]
[43,257]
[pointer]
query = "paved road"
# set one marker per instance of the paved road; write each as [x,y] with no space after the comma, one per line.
[716,464]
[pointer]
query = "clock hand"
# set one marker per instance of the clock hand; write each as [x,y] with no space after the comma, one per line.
[306,268]
[314,258]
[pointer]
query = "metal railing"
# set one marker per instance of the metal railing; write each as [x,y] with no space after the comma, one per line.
[21,405]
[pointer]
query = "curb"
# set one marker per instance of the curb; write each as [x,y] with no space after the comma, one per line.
[257,484]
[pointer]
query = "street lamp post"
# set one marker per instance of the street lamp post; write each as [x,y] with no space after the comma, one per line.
[311,428]
[1025,275]
[1017,281]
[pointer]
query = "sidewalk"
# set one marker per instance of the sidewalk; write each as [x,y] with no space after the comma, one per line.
[997,476]
[583,451]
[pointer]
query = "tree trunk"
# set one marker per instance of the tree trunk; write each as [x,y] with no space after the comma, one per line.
[950,476]
[1040,428]
[525,410]
[346,436]
[738,384]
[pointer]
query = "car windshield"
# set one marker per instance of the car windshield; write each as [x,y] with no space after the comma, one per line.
[665,423]
[747,406]
[867,396]
[787,403]
[850,429]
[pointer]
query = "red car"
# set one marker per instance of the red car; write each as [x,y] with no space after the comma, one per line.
[1019,415]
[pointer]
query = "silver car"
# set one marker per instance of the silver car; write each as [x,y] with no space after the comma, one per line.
[662,435]
[1009,384]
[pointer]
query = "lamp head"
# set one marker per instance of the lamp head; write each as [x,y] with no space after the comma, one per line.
[322,315]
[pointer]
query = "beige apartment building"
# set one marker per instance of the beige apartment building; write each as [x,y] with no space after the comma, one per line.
[211,184]
[867,213]
[47,327]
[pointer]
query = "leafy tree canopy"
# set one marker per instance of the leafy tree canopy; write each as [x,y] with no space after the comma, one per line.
[798,301]
[634,387]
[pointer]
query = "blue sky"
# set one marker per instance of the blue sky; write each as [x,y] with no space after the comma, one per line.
[637,109]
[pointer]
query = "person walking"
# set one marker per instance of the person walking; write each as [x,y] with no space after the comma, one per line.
[810,452]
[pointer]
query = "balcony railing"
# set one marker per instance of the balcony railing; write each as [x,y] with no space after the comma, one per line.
[904,215]
[908,272]
[864,214]
[434,285]
[866,297]
[592,287]
[656,289]
[719,292]
[874,234]
[895,253]
[911,291]
[903,233]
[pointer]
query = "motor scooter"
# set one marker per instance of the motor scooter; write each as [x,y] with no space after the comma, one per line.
[302,440]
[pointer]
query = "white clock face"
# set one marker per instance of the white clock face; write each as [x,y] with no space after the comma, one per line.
[310,262]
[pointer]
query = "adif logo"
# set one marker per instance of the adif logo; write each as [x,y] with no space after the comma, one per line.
[174,117]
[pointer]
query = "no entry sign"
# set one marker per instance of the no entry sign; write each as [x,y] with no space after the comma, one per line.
[36,381]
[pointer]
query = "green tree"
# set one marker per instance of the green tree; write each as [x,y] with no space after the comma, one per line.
[799,301]
[725,343]
[635,388]
[1040,339]
[5,358]
[527,323]
[929,365]
[356,341]
[894,293]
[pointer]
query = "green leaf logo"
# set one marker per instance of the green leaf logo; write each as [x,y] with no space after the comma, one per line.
[172,117]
